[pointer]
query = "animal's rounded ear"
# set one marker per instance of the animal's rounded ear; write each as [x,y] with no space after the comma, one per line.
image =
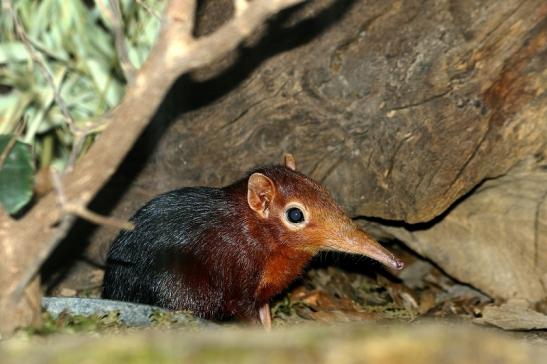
[289,161]
[260,193]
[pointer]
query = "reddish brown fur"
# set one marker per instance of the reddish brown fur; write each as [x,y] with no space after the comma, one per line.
[227,252]
[284,253]
[282,267]
[289,251]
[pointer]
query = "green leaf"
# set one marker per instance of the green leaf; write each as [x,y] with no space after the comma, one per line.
[13,52]
[16,175]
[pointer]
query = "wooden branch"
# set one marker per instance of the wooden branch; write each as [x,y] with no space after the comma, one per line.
[13,140]
[83,212]
[113,14]
[148,9]
[240,6]
[31,239]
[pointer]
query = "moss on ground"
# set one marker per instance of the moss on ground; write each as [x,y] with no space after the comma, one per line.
[356,343]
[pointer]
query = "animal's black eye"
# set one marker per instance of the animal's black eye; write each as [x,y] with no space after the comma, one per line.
[295,215]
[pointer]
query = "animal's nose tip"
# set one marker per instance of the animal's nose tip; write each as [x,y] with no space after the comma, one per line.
[399,264]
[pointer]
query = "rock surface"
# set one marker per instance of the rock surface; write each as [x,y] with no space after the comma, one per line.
[130,314]
[400,108]
[513,315]
[496,238]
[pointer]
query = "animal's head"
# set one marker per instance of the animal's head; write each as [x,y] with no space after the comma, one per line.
[303,215]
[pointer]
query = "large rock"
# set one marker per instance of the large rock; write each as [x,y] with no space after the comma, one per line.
[398,107]
[496,238]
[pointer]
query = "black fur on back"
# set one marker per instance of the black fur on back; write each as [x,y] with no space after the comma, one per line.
[190,249]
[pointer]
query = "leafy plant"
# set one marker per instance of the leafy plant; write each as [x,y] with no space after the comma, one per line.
[73,42]
[15,174]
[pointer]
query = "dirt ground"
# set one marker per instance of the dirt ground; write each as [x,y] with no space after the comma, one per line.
[342,310]
[346,289]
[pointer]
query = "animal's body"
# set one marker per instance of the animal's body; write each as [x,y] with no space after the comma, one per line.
[225,252]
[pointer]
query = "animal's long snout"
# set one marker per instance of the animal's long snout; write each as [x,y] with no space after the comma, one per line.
[359,242]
